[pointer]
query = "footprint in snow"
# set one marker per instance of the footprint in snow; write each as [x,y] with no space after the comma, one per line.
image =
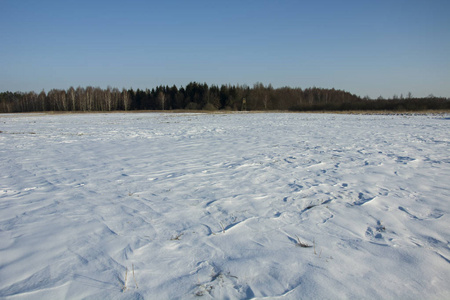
[371,234]
[363,199]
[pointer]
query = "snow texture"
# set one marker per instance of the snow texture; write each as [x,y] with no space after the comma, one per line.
[224,206]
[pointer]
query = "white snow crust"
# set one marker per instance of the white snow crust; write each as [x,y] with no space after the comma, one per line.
[202,206]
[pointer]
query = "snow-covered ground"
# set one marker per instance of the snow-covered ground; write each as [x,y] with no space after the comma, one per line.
[183,206]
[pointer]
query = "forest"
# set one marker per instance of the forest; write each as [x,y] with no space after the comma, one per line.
[197,96]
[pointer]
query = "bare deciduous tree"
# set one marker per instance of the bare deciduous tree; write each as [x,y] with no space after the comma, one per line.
[162,99]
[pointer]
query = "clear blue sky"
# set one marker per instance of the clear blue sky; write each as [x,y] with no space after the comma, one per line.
[370,48]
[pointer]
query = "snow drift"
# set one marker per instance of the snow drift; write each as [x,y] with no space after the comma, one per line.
[227,206]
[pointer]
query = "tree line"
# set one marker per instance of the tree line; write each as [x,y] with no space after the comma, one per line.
[197,96]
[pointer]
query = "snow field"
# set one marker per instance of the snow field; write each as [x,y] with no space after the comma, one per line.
[213,205]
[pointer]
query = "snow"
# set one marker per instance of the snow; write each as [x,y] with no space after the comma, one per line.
[201,206]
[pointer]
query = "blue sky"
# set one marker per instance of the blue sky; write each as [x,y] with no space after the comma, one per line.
[365,47]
